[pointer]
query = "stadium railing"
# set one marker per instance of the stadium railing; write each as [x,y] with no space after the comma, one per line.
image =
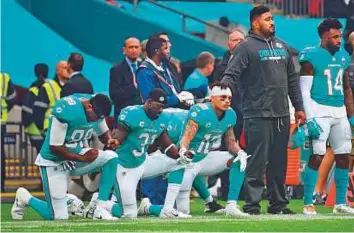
[19,154]
[186,16]
[312,8]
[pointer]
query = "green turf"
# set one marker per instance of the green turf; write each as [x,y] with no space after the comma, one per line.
[200,222]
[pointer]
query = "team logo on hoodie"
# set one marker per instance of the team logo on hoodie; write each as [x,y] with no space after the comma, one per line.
[279,45]
[272,54]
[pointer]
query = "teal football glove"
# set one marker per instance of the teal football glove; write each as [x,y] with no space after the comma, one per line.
[298,137]
[351,121]
[314,128]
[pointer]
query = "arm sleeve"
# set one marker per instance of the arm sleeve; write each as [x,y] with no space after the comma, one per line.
[40,106]
[57,132]
[294,90]
[236,66]
[11,96]
[306,85]
[117,92]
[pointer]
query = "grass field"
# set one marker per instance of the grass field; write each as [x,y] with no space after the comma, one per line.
[325,222]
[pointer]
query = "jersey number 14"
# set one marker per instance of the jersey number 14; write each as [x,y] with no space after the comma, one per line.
[338,82]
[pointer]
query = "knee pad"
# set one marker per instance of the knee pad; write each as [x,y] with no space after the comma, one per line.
[130,211]
[182,201]
[345,148]
[342,161]
[315,161]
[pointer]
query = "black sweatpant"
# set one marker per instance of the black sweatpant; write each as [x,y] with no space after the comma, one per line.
[266,141]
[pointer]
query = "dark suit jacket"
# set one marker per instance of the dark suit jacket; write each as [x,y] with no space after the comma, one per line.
[77,84]
[121,88]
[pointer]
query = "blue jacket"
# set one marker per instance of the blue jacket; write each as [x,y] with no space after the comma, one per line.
[149,77]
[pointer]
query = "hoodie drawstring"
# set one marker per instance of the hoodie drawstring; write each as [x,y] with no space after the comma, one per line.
[280,123]
[273,51]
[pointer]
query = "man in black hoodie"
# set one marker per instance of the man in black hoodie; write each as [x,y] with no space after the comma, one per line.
[263,71]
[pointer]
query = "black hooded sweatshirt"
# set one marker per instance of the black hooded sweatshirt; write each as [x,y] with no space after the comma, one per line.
[264,73]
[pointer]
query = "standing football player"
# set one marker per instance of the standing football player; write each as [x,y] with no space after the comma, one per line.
[65,153]
[324,81]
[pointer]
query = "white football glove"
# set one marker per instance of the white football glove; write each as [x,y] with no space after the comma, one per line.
[242,156]
[68,165]
[183,159]
[186,97]
[75,206]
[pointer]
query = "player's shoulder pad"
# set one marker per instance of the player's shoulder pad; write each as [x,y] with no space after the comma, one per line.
[199,112]
[231,117]
[344,56]
[307,54]
[164,117]
[175,112]
[67,109]
[130,115]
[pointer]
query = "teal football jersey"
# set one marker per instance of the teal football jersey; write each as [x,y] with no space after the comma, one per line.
[69,110]
[305,152]
[176,120]
[327,87]
[143,132]
[211,129]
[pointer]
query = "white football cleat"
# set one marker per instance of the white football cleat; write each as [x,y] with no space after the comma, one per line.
[309,210]
[172,213]
[144,207]
[343,209]
[91,207]
[21,201]
[100,213]
[75,206]
[232,209]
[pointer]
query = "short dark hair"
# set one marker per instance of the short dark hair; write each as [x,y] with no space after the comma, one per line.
[76,61]
[101,105]
[158,34]
[41,70]
[327,25]
[153,44]
[257,11]
[221,85]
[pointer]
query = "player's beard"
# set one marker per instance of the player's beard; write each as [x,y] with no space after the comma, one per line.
[332,48]
[152,115]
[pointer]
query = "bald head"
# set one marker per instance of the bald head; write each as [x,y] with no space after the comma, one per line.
[132,48]
[236,36]
[62,71]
